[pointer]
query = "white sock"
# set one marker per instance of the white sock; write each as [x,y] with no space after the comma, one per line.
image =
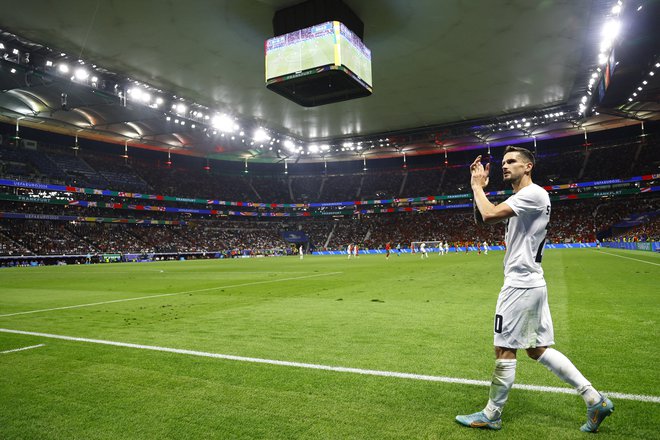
[564,369]
[503,377]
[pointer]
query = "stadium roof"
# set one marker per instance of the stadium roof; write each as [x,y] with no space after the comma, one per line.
[446,75]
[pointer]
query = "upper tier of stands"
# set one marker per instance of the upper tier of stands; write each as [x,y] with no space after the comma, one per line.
[618,159]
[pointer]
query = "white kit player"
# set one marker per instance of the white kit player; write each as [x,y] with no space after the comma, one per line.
[486,248]
[300,251]
[422,250]
[349,251]
[446,247]
[522,315]
[355,251]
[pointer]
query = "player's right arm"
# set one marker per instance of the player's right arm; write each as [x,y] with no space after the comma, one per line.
[489,213]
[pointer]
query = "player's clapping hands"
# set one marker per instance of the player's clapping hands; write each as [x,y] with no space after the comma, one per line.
[479,173]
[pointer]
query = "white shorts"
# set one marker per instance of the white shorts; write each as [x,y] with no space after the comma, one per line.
[522,318]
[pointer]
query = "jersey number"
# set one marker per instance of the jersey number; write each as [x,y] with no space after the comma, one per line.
[498,323]
[539,252]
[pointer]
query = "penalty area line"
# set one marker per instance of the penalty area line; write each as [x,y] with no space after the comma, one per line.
[455,380]
[252,283]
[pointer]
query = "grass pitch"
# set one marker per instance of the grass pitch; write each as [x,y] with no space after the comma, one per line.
[428,317]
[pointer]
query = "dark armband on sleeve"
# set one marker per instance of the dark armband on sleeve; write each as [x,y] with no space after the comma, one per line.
[478,219]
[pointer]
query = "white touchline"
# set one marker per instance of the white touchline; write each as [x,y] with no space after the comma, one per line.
[22,348]
[636,397]
[630,258]
[168,294]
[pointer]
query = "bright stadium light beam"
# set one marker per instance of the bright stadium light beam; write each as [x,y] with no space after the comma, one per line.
[289,145]
[260,135]
[81,74]
[223,123]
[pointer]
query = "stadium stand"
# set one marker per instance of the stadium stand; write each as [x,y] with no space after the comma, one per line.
[573,221]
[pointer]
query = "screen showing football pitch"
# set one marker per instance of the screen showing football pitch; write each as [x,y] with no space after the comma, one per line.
[326,44]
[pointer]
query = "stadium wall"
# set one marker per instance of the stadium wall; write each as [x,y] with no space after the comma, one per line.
[649,246]
[461,249]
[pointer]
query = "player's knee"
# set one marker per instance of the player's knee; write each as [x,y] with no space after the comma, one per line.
[505,353]
[535,353]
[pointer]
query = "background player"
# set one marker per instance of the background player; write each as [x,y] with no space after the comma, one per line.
[422,250]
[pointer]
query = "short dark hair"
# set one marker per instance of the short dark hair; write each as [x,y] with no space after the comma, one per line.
[523,151]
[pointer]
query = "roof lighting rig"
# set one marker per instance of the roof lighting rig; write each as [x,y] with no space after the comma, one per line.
[226,130]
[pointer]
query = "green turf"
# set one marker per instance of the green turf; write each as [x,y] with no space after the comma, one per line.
[431,317]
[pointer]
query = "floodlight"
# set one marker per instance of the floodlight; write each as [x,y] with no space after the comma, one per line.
[611,29]
[289,144]
[260,135]
[223,123]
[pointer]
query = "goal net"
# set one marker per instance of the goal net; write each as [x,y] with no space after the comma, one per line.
[431,246]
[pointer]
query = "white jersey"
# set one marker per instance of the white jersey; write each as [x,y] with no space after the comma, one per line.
[422,248]
[525,237]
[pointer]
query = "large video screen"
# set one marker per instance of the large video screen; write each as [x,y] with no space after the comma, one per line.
[354,54]
[326,44]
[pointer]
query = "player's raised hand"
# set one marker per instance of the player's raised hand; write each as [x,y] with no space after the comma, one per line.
[479,174]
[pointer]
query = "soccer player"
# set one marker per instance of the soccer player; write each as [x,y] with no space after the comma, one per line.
[398,249]
[446,247]
[388,246]
[349,250]
[422,250]
[355,250]
[522,315]
[300,251]
[485,248]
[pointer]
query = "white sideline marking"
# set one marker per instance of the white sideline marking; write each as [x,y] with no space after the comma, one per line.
[168,294]
[21,349]
[630,258]
[636,397]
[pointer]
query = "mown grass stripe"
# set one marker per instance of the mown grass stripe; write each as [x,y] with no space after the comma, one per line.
[161,295]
